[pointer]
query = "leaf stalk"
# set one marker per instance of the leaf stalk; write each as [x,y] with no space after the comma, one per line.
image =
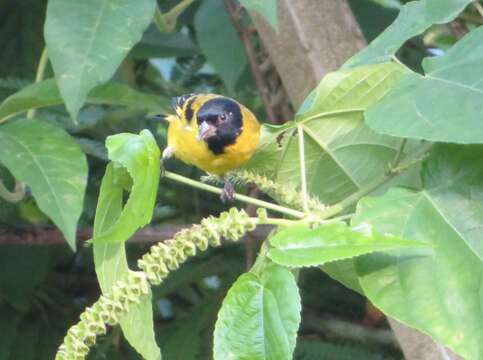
[39,76]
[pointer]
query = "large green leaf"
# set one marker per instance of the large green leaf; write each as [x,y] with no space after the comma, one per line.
[46,93]
[444,105]
[266,8]
[139,155]
[344,272]
[155,44]
[47,159]
[341,153]
[438,292]
[220,42]
[87,41]
[111,264]
[259,317]
[414,18]
[452,182]
[300,245]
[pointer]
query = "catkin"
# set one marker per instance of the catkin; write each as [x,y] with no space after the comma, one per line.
[155,266]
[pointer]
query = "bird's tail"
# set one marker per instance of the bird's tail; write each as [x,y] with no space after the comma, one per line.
[163,117]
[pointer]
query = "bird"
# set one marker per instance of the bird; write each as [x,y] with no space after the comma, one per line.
[215,133]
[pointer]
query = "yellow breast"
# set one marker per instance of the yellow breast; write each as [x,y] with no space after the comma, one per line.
[182,139]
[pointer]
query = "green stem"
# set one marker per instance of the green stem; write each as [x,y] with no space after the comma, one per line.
[278,221]
[303,174]
[159,21]
[246,199]
[478,8]
[39,76]
[339,218]
[373,185]
[399,154]
[167,22]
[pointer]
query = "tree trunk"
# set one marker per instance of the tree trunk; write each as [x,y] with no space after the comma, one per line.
[314,38]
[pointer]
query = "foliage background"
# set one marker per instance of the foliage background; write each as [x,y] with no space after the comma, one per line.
[43,288]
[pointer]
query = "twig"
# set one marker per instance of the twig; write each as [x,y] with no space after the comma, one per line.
[167,22]
[373,185]
[243,198]
[399,154]
[39,76]
[478,7]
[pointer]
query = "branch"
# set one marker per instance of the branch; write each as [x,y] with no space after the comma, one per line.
[43,236]
[349,330]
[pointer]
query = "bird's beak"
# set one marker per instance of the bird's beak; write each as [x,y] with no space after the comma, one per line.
[206,131]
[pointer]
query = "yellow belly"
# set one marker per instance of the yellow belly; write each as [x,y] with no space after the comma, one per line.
[182,139]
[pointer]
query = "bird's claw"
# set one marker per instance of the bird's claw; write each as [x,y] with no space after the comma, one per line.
[228,193]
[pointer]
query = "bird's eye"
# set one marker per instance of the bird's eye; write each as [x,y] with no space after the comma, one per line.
[223,117]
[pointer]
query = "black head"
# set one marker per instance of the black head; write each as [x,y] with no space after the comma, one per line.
[220,123]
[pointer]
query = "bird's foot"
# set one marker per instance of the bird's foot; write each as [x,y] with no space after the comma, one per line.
[228,193]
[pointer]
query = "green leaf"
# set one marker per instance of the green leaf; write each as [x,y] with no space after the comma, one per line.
[87,41]
[50,162]
[438,292]
[139,155]
[135,167]
[155,44]
[266,8]
[444,105]
[259,317]
[299,245]
[46,93]
[220,42]
[341,153]
[414,18]
[111,264]
[344,272]
[452,182]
